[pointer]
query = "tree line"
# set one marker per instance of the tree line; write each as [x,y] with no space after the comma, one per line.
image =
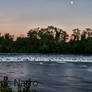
[49,40]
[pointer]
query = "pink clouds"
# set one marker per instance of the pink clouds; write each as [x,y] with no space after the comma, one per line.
[9,24]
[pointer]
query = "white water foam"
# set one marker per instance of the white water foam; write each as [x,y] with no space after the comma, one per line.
[45,58]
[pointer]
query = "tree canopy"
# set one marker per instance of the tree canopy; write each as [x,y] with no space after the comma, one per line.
[49,40]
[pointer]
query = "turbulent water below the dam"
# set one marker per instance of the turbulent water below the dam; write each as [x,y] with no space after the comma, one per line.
[54,73]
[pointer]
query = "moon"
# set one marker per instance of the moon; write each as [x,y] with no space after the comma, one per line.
[72,2]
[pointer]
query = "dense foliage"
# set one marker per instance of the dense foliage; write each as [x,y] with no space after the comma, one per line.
[49,40]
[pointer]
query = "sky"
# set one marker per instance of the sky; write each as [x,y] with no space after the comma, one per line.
[19,16]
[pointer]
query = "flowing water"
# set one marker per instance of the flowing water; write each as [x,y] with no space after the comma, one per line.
[54,73]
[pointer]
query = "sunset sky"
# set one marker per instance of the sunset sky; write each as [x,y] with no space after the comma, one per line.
[18,16]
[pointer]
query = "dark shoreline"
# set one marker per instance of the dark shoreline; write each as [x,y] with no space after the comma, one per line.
[44,54]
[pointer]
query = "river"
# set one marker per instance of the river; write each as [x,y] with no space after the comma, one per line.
[54,73]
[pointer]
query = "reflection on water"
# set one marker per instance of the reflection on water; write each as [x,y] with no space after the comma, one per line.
[52,77]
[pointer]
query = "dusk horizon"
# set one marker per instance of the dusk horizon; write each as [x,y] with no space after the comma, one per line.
[18,17]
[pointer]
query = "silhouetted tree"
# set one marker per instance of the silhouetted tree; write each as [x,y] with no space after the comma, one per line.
[48,40]
[76,34]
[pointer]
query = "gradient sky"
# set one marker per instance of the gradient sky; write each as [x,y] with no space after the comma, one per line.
[18,16]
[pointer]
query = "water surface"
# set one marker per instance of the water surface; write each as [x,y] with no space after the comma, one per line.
[55,73]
